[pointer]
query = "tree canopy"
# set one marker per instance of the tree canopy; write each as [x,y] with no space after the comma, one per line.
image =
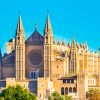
[94,94]
[57,96]
[16,93]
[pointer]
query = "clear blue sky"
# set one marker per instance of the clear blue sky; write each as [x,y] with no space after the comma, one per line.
[69,18]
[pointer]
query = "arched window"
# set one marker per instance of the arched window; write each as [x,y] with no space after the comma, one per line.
[66,90]
[62,91]
[74,89]
[70,90]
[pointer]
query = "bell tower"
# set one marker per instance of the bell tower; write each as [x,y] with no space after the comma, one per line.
[73,57]
[48,41]
[20,51]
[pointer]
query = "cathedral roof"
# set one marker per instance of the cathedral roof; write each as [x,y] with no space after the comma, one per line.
[35,38]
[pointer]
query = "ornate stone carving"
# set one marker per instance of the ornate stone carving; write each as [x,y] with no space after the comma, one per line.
[35,58]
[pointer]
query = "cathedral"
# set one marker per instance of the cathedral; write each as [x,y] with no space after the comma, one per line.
[43,65]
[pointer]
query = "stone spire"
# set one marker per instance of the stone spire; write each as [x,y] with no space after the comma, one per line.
[58,42]
[48,28]
[20,28]
[48,48]
[81,45]
[63,42]
[85,45]
[20,51]
[77,44]
[73,44]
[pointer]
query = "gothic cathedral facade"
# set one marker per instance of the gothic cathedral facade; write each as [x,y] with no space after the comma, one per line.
[44,65]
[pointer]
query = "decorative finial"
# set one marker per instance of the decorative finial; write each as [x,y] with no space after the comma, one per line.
[36,27]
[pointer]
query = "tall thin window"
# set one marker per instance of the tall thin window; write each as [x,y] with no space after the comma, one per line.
[74,89]
[33,74]
[66,91]
[70,90]
[62,91]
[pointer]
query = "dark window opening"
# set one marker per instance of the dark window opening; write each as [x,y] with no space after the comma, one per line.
[72,81]
[66,91]
[74,89]
[62,91]
[64,81]
[70,90]
[68,81]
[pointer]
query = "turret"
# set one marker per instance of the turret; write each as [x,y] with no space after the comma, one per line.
[85,45]
[48,35]
[73,57]
[73,45]
[20,51]
[48,42]
[58,43]
[63,42]
[77,44]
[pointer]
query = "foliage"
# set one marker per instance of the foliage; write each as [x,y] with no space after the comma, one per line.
[66,97]
[57,96]
[16,93]
[94,94]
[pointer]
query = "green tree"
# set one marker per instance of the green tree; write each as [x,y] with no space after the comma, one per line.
[66,97]
[55,96]
[16,93]
[94,94]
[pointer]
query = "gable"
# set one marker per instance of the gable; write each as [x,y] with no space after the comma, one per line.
[35,38]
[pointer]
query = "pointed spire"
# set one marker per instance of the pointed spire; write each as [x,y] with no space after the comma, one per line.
[48,28]
[20,25]
[85,45]
[58,43]
[81,45]
[73,44]
[77,44]
[63,42]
